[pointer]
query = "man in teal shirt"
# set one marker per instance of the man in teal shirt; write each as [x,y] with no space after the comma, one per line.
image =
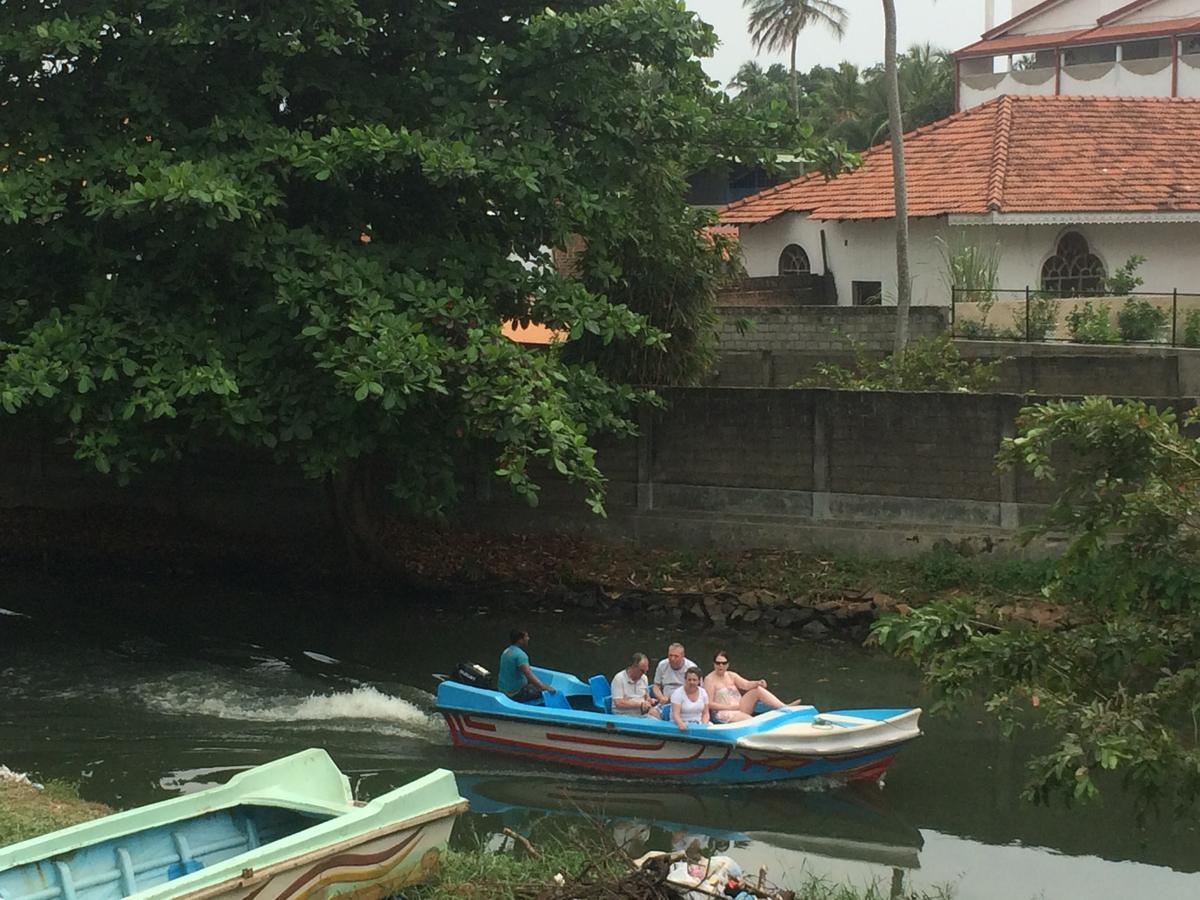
[516,680]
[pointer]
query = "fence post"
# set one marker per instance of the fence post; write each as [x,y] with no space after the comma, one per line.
[1174,315]
[953,304]
[1027,335]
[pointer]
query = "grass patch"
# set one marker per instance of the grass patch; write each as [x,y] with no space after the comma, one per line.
[484,875]
[26,812]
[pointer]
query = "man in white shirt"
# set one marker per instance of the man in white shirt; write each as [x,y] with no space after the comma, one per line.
[630,694]
[671,673]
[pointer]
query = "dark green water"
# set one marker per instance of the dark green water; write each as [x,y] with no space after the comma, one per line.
[139,691]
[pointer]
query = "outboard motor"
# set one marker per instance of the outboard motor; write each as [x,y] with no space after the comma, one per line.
[471,674]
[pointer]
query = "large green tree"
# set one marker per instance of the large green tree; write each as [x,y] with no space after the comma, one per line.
[297,227]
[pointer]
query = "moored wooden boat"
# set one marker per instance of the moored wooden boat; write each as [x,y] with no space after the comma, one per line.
[578,730]
[287,829]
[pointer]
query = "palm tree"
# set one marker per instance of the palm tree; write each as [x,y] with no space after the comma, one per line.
[775,26]
[926,85]
[896,128]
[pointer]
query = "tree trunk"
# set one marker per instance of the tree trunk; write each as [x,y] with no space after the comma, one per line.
[352,512]
[795,80]
[896,127]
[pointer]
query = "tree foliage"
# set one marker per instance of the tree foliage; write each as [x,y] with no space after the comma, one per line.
[298,227]
[775,27]
[1117,684]
[849,104]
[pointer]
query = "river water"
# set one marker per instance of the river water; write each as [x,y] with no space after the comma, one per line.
[142,690]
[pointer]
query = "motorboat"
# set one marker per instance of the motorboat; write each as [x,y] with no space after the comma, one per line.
[575,726]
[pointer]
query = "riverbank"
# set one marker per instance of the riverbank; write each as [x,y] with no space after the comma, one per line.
[812,595]
[574,874]
[27,811]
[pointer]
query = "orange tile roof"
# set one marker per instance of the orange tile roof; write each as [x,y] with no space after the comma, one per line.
[1016,155]
[533,333]
[1012,43]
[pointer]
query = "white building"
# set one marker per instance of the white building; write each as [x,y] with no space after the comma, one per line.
[1085,48]
[1067,185]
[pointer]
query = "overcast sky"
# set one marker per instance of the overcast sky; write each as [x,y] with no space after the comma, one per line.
[949,24]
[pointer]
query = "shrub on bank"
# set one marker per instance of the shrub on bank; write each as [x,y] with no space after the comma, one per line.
[929,364]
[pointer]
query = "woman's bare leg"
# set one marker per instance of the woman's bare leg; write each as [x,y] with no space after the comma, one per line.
[752,697]
[725,716]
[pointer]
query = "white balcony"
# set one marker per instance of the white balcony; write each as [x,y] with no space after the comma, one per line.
[976,89]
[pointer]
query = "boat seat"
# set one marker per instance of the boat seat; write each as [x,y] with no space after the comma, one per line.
[557,700]
[601,692]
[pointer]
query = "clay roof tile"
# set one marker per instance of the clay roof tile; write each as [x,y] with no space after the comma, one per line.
[1016,154]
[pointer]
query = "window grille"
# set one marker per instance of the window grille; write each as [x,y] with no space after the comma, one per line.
[1073,269]
[794,261]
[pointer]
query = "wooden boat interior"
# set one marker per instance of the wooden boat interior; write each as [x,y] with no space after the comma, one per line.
[126,864]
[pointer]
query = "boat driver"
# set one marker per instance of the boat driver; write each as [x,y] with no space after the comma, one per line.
[516,679]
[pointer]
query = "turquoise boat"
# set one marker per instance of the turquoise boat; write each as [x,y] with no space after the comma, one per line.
[287,829]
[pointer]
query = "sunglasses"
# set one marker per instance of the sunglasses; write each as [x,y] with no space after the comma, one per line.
[720,662]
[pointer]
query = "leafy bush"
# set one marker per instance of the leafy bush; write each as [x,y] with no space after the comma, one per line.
[1042,319]
[929,364]
[942,568]
[1090,323]
[1140,320]
[1114,680]
[1124,280]
[1191,329]
[976,329]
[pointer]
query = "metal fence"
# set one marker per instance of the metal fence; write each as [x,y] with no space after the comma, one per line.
[1138,317]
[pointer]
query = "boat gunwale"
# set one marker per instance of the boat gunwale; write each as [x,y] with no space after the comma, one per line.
[269,871]
[183,808]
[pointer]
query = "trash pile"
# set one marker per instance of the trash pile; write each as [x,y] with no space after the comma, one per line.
[7,774]
[684,875]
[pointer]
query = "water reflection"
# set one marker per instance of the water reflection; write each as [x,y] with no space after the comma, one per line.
[852,823]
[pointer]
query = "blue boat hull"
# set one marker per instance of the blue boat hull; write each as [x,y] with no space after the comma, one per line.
[796,742]
[674,760]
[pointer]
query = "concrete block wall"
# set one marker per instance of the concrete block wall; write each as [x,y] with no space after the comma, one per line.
[864,472]
[1122,371]
[822,329]
[742,466]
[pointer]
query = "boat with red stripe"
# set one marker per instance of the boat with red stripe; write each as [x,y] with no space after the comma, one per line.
[575,727]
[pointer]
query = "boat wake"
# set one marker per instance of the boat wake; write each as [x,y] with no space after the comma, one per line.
[367,706]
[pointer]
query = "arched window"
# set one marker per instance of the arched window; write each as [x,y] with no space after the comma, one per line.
[794,261]
[1073,269]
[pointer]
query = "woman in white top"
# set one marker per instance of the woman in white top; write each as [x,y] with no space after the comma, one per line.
[689,704]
